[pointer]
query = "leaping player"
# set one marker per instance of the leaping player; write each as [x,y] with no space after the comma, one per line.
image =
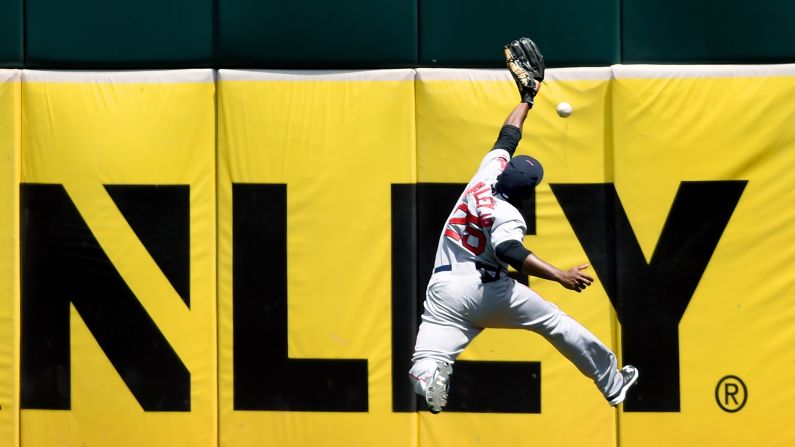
[470,289]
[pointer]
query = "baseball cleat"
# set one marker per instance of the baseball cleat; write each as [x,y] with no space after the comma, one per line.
[630,375]
[436,392]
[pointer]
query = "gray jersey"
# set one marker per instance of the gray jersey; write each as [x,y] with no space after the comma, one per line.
[480,219]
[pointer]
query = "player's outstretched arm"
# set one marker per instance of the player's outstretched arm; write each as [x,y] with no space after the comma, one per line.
[511,131]
[572,279]
[515,254]
[526,65]
[518,115]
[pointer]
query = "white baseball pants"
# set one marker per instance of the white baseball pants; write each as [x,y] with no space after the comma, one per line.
[458,306]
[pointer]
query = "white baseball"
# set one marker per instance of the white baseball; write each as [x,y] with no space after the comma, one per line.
[564,109]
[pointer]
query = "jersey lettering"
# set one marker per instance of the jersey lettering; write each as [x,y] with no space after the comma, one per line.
[467,228]
[483,197]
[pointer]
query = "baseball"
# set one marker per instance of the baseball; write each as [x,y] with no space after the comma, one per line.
[564,109]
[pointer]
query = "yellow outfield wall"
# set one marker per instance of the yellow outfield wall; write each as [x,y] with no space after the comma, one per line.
[238,258]
[91,133]
[10,131]
[700,123]
[336,142]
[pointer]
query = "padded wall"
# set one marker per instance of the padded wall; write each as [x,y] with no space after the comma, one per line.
[10,128]
[673,182]
[118,309]
[706,182]
[314,170]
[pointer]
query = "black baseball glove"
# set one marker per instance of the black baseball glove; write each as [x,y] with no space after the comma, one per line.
[526,65]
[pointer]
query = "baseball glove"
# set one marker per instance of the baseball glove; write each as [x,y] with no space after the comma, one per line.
[526,65]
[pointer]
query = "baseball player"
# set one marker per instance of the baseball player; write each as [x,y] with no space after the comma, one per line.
[470,289]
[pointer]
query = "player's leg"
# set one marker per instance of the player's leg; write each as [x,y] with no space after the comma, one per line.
[524,308]
[437,347]
[443,334]
[437,343]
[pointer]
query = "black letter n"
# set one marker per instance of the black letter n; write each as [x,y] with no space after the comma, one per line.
[62,263]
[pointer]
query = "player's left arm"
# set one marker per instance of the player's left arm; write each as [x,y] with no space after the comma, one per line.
[513,253]
[508,139]
[511,131]
[526,65]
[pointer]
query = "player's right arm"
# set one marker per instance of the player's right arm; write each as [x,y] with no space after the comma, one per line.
[513,253]
[572,279]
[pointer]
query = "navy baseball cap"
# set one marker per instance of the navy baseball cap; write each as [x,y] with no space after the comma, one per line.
[520,177]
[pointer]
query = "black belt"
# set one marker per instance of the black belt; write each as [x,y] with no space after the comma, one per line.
[488,273]
[443,268]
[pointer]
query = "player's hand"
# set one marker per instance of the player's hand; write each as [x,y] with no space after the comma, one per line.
[575,279]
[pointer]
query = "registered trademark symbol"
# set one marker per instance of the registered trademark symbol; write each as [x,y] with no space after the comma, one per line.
[731,394]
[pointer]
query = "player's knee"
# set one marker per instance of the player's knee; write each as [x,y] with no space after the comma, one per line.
[553,323]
